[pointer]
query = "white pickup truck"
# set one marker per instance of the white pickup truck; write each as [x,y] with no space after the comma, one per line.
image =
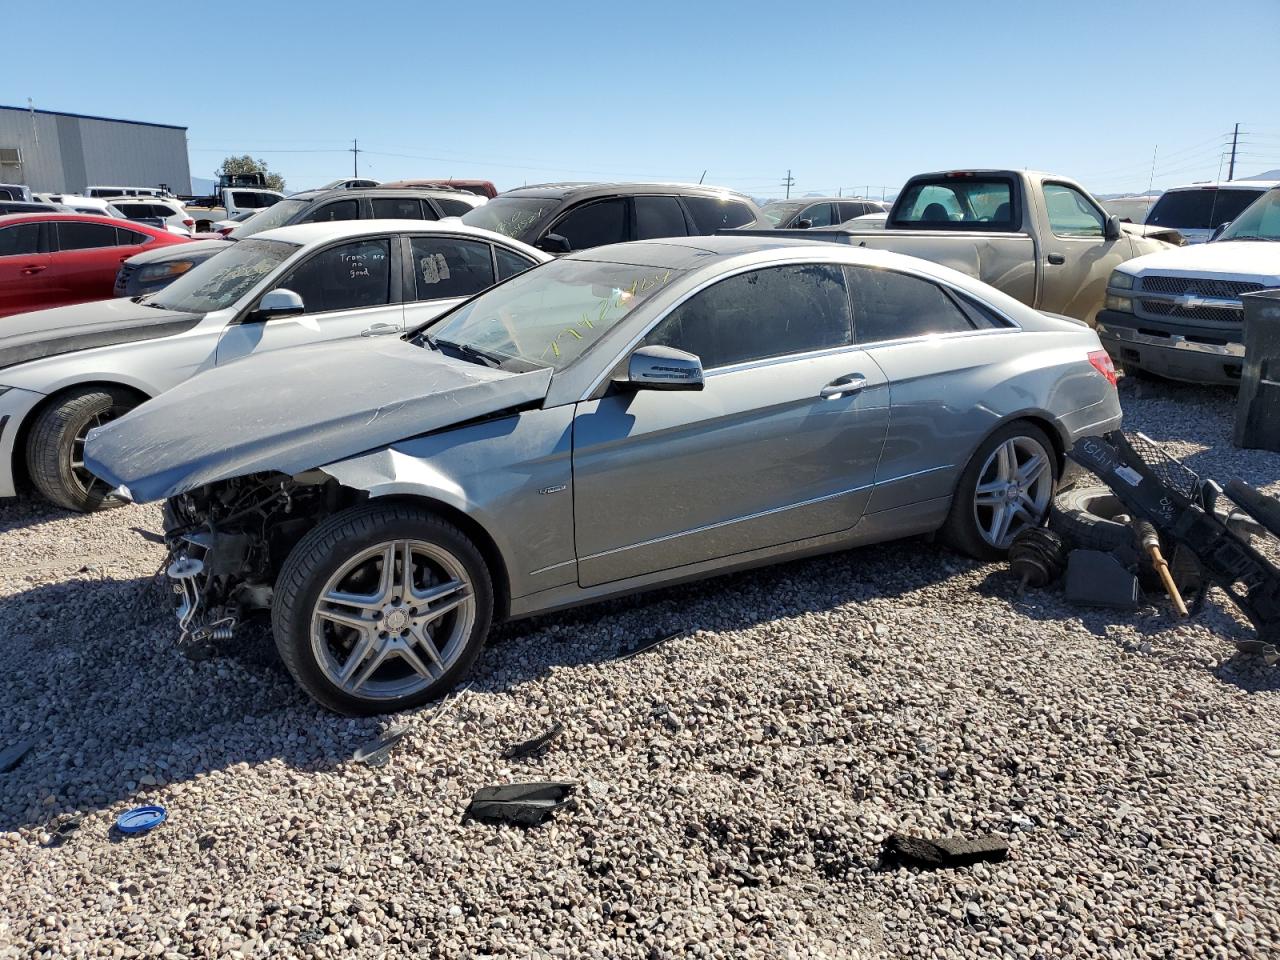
[1178,314]
[229,203]
[1040,238]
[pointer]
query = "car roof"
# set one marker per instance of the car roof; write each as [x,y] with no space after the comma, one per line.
[378,192]
[560,191]
[313,233]
[12,218]
[1258,185]
[823,200]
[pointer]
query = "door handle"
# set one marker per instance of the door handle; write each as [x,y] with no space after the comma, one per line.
[1056,259]
[850,383]
[380,330]
[33,269]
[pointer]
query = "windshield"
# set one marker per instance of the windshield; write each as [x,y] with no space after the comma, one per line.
[1260,222]
[780,211]
[1200,209]
[224,278]
[512,216]
[553,314]
[276,215]
[957,203]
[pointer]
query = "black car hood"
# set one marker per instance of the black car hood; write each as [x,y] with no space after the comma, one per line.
[180,251]
[48,333]
[291,410]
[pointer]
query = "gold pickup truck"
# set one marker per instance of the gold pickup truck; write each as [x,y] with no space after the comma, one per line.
[1038,237]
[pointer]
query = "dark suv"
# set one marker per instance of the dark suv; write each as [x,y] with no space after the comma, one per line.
[152,271]
[562,217]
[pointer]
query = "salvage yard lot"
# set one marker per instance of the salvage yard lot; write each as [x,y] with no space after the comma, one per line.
[734,784]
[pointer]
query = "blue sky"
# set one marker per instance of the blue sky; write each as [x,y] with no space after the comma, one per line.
[845,95]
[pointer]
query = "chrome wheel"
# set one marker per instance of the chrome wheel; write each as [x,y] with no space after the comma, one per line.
[393,620]
[1014,488]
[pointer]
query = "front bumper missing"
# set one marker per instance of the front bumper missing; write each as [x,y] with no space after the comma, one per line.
[1196,355]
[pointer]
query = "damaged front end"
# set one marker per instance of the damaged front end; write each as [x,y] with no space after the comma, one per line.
[227,542]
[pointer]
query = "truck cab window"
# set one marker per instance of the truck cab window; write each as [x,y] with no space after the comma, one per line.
[959,203]
[1070,214]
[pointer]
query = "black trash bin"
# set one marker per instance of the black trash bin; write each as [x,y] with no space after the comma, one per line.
[1258,406]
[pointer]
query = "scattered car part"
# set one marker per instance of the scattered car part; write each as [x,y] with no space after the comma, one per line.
[1181,506]
[527,748]
[526,804]
[1097,579]
[141,819]
[1037,557]
[11,756]
[648,643]
[378,752]
[1257,426]
[1149,542]
[948,852]
[1090,517]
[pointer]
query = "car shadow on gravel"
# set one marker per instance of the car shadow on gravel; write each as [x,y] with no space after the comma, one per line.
[115,711]
[28,510]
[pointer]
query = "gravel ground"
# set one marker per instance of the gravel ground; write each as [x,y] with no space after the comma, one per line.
[735,784]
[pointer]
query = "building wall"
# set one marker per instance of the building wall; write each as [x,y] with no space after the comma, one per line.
[66,153]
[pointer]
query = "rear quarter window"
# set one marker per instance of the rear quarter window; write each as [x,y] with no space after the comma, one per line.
[712,213]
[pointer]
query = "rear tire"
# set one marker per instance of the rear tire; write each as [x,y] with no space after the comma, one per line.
[55,447]
[363,641]
[1013,473]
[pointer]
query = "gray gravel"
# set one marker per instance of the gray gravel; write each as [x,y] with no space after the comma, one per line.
[736,784]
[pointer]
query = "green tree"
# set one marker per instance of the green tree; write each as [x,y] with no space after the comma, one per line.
[247,164]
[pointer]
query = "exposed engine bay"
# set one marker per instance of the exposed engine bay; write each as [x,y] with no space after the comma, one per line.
[227,542]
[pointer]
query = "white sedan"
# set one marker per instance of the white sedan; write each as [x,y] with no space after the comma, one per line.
[67,370]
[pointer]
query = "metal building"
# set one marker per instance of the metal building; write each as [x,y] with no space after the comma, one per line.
[67,152]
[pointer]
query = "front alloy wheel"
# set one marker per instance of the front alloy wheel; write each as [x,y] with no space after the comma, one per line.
[381,607]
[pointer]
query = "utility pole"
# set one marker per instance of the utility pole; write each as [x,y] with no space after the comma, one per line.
[1235,139]
[355,158]
[788,183]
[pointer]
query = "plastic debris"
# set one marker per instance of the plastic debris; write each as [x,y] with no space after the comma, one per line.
[11,756]
[1097,579]
[378,752]
[525,804]
[527,748]
[141,819]
[948,852]
[640,646]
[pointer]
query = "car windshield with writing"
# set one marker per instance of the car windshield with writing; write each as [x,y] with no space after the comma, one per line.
[957,203]
[224,278]
[548,317]
[512,216]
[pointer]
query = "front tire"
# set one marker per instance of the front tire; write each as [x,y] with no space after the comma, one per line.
[1006,488]
[381,608]
[55,448]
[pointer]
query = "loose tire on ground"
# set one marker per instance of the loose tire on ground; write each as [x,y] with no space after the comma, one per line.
[55,446]
[961,529]
[1084,516]
[325,552]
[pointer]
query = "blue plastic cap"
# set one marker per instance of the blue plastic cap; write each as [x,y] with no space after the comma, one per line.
[141,819]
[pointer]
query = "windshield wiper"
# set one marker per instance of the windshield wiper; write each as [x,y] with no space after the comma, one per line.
[467,352]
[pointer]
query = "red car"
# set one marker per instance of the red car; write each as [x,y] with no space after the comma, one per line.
[53,259]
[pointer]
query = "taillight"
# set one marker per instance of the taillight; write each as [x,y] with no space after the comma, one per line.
[188,222]
[1101,361]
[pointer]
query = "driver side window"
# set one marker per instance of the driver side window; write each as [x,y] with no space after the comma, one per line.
[346,277]
[818,215]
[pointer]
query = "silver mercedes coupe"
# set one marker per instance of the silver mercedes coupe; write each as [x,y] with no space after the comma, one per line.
[619,419]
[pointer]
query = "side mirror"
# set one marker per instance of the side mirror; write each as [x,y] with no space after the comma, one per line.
[276,303]
[803,224]
[554,243]
[1221,228]
[663,368]
[1112,230]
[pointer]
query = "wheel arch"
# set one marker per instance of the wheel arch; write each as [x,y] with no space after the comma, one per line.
[18,463]
[1042,419]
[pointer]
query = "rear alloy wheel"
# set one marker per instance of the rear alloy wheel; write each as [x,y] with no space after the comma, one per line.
[1006,489]
[55,448]
[381,608]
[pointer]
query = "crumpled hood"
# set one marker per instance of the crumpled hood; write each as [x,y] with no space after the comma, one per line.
[48,333]
[292,410]
[1242,260]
